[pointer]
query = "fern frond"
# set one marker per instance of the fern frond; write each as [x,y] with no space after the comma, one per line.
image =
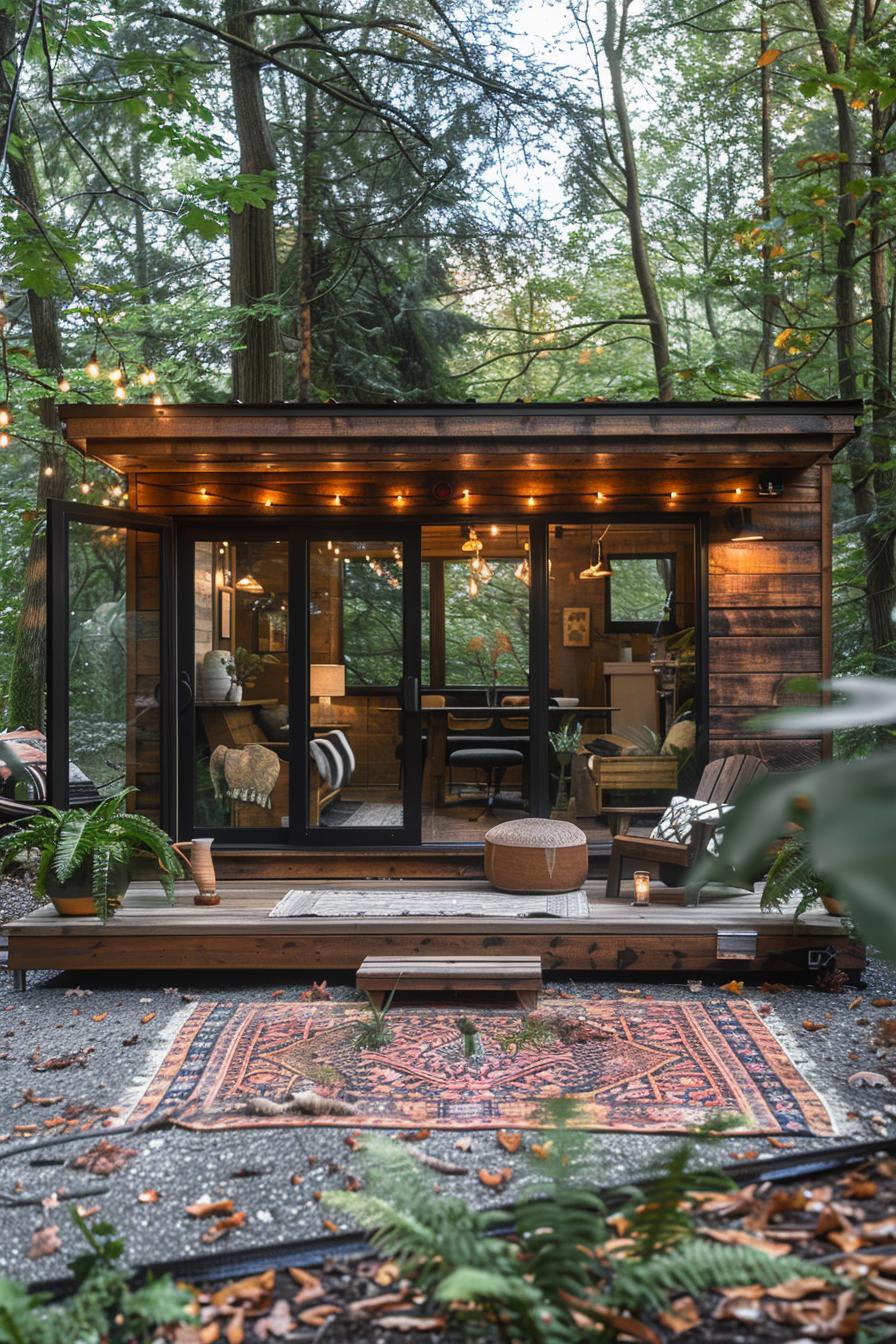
[695,1267]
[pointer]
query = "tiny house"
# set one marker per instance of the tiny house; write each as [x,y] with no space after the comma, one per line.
[344,641]
[382,566]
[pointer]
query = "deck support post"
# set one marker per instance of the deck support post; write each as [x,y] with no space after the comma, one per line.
[19,981]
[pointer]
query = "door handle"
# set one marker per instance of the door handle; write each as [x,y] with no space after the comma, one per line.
[410,695]
[184,693]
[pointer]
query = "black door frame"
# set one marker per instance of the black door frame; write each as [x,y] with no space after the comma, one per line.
[59,514]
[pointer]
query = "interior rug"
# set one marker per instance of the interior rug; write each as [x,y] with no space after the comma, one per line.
[651,1067]
[342,813]
[466,900]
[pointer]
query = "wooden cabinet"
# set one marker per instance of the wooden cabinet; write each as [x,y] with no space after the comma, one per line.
[632,688]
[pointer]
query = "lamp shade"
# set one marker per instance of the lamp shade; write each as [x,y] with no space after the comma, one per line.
[327,679]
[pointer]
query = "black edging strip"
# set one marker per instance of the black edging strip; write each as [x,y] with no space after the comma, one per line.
[314,1250]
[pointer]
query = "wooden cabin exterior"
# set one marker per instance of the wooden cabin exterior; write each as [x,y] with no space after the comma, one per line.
[227,541]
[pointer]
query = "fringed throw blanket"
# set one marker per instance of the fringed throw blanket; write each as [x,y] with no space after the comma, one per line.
[245,774]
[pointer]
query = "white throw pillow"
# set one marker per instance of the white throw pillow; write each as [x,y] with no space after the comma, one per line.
[679,817]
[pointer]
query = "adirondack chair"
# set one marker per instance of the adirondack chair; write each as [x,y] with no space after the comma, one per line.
[720,782]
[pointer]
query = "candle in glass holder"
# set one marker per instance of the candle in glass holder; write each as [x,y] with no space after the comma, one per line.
[642,888]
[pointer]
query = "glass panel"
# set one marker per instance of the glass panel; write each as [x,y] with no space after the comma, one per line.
[114,664]
[241,633]
[639,664]
[476,762]
[355,668]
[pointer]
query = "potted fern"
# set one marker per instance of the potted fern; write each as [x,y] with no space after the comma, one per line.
[792,874]
[84,856]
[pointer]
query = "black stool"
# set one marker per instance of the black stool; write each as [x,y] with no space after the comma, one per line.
[493,760]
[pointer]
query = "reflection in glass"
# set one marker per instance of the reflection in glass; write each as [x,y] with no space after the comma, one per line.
[356,662]
[241,675]
[114,663]
[641,593]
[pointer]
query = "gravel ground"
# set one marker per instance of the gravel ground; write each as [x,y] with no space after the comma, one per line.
[255,1167]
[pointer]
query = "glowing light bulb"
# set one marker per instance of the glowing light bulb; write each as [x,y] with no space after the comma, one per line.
[203,491]
[92,368]
[85,488]
[120,391]
[116,491]
[737,490]
[268,503]
[531,501]
[399,499]
[599,496]
[150,375]
[329,545]
[48,471]
[338,500]
[157,400]
[4,440]
[466,494]
[5,416]
[114,375]
[494,530]
[673,494]
[64,385]
[474,586]
[105,503]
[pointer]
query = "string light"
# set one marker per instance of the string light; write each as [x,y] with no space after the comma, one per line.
[114,375]
[105,503]
[338,501]
[599,497]
[531,501]
[85,488]
[92,368]
[466,495]
[48,471]
[4,440]
[673,494]
[64,385]
[157,400]
[399,499]
[268,503]
[146,377]
[121,391]
[494,530]
[5,417]
[737,490]
[116,491]
[203,491]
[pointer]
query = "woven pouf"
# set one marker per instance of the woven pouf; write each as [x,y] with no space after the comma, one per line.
[536,855]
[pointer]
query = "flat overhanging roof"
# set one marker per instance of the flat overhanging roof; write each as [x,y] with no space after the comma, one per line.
[469,435]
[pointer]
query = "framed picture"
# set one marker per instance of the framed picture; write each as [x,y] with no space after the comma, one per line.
[576,627]
[225,611]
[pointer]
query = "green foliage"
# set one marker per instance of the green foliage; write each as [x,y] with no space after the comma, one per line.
[846,809]
[105,837]
[105,1309]
[376,1033]
[529,1034]
[791,873]
[242,666]
[524,1287]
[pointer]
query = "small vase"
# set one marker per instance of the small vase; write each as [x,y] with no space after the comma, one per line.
[215,681]
[235,694]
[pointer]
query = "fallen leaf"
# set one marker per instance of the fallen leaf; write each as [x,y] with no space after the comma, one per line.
[61,1061]
[509,1142]
[275,993]
[619,990]
[795,1289]
[99,1017]
[278,1323]
[208,1208]
[414,1135]
[856,1186]
[493,1179]
[331,1227]
[855,1003]
[684,1315]
[768,988]
[815,1026]
[222,1227]
[242,1288]
[148,1197]
[883,1289]
[318,1315]
[387,1274]
[436,1163]
[779,1143]
[104,1157]
[296,1180]
[44,1242]
[542,1150]
[148,1017]
[364,1305]
[234,1331]
[882,1231]
[733,986]
[742,1306]
[865,1079]
[745,1157]
[822,1318]
[695,986]
[765,1009]
[464,1144]
[40,1101]
[882,1003]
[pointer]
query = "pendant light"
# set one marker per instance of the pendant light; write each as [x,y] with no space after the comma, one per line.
[599,567]
[739,523]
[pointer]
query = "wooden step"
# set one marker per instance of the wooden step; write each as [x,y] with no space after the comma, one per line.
[522,975]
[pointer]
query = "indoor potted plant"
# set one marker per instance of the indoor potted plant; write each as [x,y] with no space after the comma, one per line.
[242,667]
[792,874]
[83,867]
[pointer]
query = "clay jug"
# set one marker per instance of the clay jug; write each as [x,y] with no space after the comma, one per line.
[202,870]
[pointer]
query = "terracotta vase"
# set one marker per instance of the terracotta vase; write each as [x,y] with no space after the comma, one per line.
[833,906]
[202,871]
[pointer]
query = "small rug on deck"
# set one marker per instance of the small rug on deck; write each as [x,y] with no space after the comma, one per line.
[372,903]
[651,1067]
[342,813]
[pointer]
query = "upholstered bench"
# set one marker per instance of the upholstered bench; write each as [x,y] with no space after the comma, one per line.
[534,854]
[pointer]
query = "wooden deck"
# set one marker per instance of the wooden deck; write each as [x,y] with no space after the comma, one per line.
[715,939]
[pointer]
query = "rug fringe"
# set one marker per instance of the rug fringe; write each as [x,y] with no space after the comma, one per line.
[140,1082]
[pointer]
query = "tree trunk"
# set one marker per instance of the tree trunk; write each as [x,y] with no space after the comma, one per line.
[768,297]
[306,265]
[26,697]
[614,45]
[257,361]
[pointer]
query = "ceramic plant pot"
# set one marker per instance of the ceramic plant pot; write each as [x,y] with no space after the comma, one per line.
[833,906]
[75,897]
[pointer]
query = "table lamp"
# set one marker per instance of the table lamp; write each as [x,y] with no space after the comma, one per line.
[327,679]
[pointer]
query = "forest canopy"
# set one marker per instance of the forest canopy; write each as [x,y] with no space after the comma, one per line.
[421,201]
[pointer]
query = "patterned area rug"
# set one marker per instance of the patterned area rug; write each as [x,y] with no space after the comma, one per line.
[373,902]
[342,813]
[652,1067]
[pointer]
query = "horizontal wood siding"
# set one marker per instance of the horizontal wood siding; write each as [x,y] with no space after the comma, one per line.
[767,623]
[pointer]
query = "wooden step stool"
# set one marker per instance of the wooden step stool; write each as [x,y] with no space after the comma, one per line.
[378,975]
